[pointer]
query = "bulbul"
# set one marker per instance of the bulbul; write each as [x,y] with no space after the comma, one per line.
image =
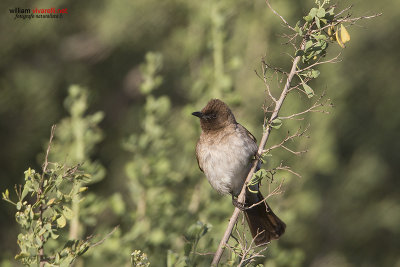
[224,153]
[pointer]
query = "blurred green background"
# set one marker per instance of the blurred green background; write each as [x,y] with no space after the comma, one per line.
[345,209]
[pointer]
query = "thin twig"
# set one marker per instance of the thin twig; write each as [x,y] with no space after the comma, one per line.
[277,190]
[276,13]
[42,261]
[105,238]
[353,20]
[46,159]
[287,168]
[286,139]
[332,60]
[265,80]
[313,108]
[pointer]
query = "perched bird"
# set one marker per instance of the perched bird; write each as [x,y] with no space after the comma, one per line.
[224,153]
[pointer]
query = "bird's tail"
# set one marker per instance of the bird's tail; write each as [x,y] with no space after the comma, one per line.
[263,223]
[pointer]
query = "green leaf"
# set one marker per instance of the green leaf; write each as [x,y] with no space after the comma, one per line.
[276,124]
[172,259]
[309,91]
[61,222]
[38,241]
[25,191]
[253,184]
[258,176]
[57,260]
[42,231]
[54,235]
[83,249]
[299,53]
[315,73]
[21,256]
[187,248]
[47,226]
[313,12]
[309,43]
[319,36]
[117,204]
[67,212]
[321,12]
[308,18]
[317,22]
[297,27]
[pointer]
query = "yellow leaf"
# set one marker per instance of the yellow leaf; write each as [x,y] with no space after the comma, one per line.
[61,222]
[83,189]
[344,36]
[51,201]
[331,33]
[338,39]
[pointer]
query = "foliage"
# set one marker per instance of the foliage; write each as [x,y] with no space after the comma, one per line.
[74,143]
[189,256]
[43,209]
[139,259]
[78,134]
[348,175]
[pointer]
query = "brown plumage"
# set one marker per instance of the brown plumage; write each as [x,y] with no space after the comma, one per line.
[224,153]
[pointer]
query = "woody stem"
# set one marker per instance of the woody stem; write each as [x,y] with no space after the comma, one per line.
[263,142]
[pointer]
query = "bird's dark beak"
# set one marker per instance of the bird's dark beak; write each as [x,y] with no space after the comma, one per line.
[197,114]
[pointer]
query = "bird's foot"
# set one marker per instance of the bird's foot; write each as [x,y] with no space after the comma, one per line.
[238,204]
[259,157]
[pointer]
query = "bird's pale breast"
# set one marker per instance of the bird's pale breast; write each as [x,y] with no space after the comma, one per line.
[225,157]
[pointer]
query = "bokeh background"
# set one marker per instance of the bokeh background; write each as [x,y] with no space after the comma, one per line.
[345,209]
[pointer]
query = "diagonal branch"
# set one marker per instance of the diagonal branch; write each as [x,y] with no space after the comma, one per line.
[263,142]
[277,105]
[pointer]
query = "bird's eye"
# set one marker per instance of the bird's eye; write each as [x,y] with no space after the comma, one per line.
[210,116]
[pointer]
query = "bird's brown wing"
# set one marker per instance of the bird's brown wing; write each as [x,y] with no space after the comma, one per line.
[197,157]
[247,132]
[255,142]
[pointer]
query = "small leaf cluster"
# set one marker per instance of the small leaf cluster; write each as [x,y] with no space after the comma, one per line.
[316,32]
[78,134]
[139,259]
[316,39]
[252,185]
[150,168]
[151,79]
[276,123]
[42,211]
[259,175]
[193,235]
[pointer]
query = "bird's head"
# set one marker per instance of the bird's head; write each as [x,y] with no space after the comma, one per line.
[215,115]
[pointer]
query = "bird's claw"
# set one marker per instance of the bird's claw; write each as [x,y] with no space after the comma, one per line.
[238,204]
